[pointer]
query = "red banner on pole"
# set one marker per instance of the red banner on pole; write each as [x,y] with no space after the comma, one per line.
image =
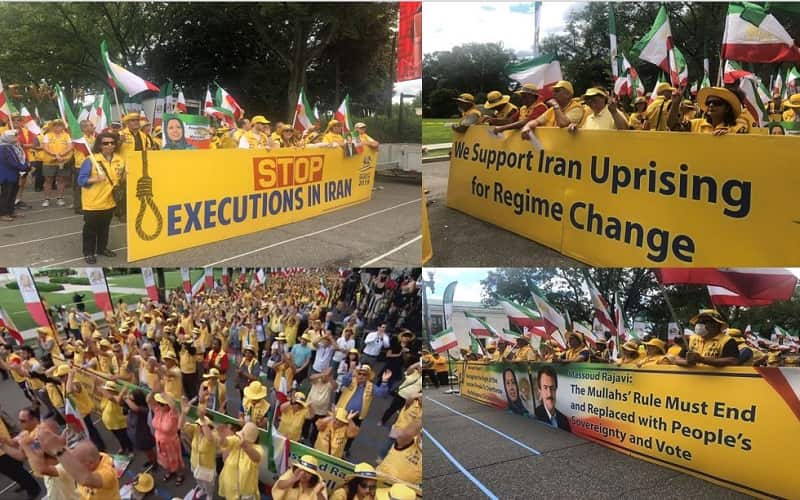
[409,42]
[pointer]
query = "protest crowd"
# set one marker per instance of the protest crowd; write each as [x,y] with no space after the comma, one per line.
[206,386]
[713,343]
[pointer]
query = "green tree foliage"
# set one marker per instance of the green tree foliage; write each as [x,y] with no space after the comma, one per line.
[639,293]
[262,53]
[477,68]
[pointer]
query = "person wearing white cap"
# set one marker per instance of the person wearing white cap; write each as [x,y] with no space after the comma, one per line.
[365,139]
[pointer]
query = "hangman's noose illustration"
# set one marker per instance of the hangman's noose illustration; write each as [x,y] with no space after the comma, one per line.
[144,192]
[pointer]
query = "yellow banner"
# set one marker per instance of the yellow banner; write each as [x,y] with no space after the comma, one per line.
[629,198]
[728,425]
[190,198]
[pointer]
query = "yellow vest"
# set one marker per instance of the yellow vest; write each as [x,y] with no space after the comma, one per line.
[405,465]
[711,348]
[83,401]
[506,111]
[292,421]
[58,142]
[256,410]
[347,393]
[332,440]
[97,196]
[657,113]
[129,142]
[188,361]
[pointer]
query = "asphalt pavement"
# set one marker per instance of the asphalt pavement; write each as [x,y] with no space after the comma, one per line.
[474,451]
[464,241]
[384,231]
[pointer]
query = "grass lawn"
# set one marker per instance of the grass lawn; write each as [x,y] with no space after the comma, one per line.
[11,300]
[434,131]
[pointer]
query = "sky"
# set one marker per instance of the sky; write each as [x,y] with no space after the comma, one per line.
[469,280]
[447,24]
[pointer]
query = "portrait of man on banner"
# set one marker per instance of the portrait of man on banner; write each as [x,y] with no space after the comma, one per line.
[547,387]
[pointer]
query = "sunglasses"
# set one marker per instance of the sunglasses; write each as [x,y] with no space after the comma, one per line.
[714,102]
[368,486]
[104,143]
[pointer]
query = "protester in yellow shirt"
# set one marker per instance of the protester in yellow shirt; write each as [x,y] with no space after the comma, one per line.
[243,126]
[213,393]
[334,430]
[239,476]
[171,373]
[503,111]
[365,139]
[661,107]
[255,404]
[58,153]
[721,109]
[294,413]
[93,471]
[630,354]
[301,482]
[563,110]
[203,454]
[132,136]
[655,354]
[404,460]
[470,114]
[638,119]
[792,105]
[601,113]
[113,417]
[333,134]
[360,485]
[258,136]
[98,176]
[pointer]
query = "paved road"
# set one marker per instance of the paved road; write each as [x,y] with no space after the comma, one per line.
[384,231]
[461,240]
[365,448]
[535,461]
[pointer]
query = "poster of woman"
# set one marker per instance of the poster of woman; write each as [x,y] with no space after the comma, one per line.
[186,132]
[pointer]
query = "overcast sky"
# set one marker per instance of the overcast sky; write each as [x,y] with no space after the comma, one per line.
[447,24]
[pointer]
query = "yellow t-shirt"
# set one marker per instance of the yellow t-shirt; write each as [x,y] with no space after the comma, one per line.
[333,138]
[82,399]
[254,140]
[408,415]
[405,465]
[73,321]
[239,475]
[112,416]
[292,421]
[332,440]
[174,383]
[573,111]
[702,126]
[57,143]
[110,486]
[33,382]
[440,364]
[188,361]
[54,393]
[203,450]
[255,410]
[600,121]
[657,113]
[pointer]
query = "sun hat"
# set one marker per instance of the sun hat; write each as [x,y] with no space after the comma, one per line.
[724,94]
[663,86]
[563,84]
[465,98]
[657,343]
[396,492]
[160,398]
[309,464]
[212,373]
[360,125]
[131,116]
[528,88]
[708,313]
[255,390]
[362,470]
[144,483]
[260,119]
[495,99]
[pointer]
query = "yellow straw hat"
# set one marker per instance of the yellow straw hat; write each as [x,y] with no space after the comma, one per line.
[724,94]
[657,343]
[212,373]
[364,470]
[255,390]
[495,99]
[144,483]
[396,492]
[309,464]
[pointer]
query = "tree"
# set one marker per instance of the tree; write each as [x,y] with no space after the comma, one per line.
[477,68]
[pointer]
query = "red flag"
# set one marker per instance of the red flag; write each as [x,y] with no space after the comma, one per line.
[226,279]
[758,284]
[409,42]
[209,278]
[72,417]
[187,282]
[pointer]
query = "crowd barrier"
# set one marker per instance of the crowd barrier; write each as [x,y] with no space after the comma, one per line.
[731,426]
[630,198]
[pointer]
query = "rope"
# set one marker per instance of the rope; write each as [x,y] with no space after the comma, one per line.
[144,192]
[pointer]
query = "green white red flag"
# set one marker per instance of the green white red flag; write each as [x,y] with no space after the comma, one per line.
[121,78]
[226,101]
[753,35]
[303,113]
[8,324]
[75,133]
[444,341]
[479,327]
[209,101]
[509,336]
[522,317]
[343,115]
[543,71]
[553,320]
[792,81]
[628,82]
[655,45]
[180,104]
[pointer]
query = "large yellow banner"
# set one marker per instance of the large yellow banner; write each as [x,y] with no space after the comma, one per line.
[730,426]
[182,199]
[629,198]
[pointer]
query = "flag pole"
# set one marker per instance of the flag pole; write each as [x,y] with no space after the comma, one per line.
[105,280]
[452,389]
[669,303]
[116,100]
